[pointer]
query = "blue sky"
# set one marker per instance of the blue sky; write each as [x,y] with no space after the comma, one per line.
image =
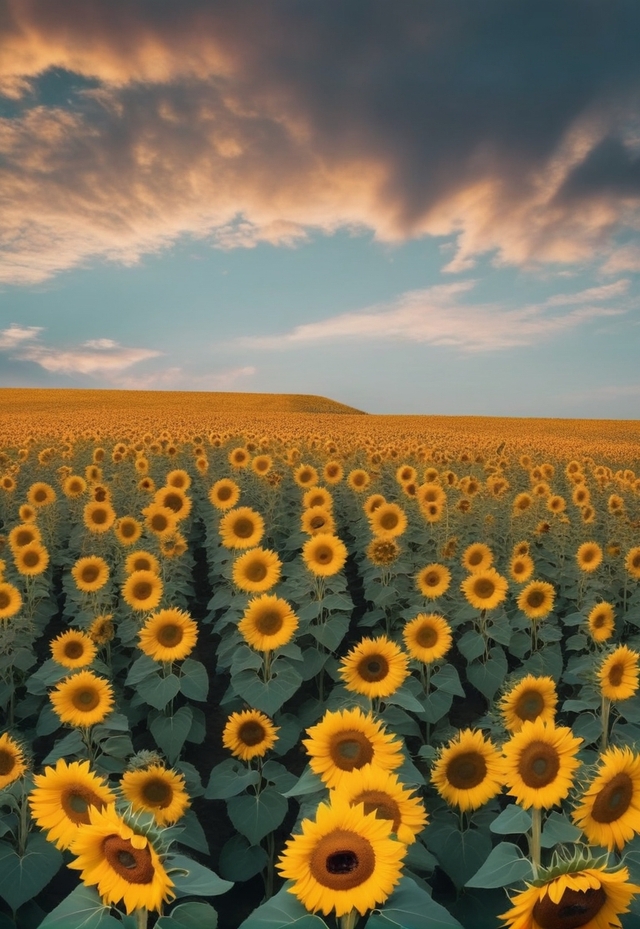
[410,208]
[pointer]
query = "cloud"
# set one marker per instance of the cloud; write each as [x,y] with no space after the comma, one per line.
[626,258]
[438,316]
[175,378]
[94,357]
[511,128]
[15,336]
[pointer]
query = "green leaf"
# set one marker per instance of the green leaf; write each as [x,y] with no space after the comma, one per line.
[275,773]
[142,667]
[255,816]
[557,829]
[461,854]
[404,698]
[269,696]
[192,834]
[505,865]
[194,680]
[308,783]
[331,632]
[229,778]
[513,820]
[48,721]
[82,908]
[410,907]
[312,662]
[239,860]
[158,691]
[280,911]
[170,732]
[436,705]
[448,679]
[71,744]
[192,879]
[488,676]
[471,645]
[22,877]
[190,915]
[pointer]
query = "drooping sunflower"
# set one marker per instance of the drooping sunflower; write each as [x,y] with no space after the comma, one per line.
[21,536]
[609,810]
[468,771]
[127,530]
[540,762]
[382,793]
[83,699]
[41,494]
[62,796]
[477,557]
[10,600]
[485,590]
[98,517]
[374,667]
[123,864]
[257,570]
[157,790]
[142,590]
[433,580]
[249,734]
[531,698]
[428,637]
[583,896]
[589,557]
[224,494]
[388,521]
[383,552]
[12,762]
[619,675]
[241,528]
[536,599]
[90,573]
[601,622]
[324,554]
[160,520]
[73,649]
[268,623]
[342,860]
[632,562]
[31,560]
[169,635]
[102,629]
[141,561]
[521,567]
[349,739]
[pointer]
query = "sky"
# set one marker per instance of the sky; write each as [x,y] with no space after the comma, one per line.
[409,207]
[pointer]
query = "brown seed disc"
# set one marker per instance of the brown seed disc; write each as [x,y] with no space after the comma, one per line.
[342,860]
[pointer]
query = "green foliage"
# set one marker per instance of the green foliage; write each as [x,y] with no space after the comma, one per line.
[22,877]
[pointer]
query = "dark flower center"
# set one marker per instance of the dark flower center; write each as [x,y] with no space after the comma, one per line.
[614,799]
[134,865]
[576,908]
[466,770]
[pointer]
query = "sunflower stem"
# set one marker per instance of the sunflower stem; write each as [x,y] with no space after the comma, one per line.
[604,715]
[23,823]
[140,915]
[349,920]
[535,845]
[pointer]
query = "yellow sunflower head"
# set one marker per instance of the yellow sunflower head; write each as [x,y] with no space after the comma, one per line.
[522,503]
[142,590]
[249,734]
[156,790]
[83,699]
[169,635]
[141,561]
[27,513]
[10,600]
[73,649]
[388,521]
[241,528]
[23,535]
[317,519]
[618,674]
[589,557]
[305,475]
[521,567]
[372,503]
[31,560]
[324,554]
[317,496]
[531,698]
[41,494]
[160,520]
[239,458]
[127,530]
[601,622]
[90,573]
[178,478]
[268,623]
[262,464]
[102,629]
[12,760]
[62,796]
[632,562]
[433,580]
[477,557]
[540,762]
[174,499]
[257,570]
[358,480]
[98,517]
[428,637]
[74,486]
[374,667]
[609,810]
[536,599]
[468,772]
[485,590]
[383,552]
[333,472]
[382,793]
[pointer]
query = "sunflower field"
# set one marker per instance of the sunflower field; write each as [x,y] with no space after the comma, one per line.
[270,662]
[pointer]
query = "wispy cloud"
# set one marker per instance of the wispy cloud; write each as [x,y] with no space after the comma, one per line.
[437,316]
[15,336]
[176,378]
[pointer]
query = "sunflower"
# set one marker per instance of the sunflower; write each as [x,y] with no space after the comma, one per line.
[324,554]
[8,484]
[349,739]
[27,513]
[632,562]
[102,629]
[358,480]
[32,559]
[41,494]
[98,517]
[224,494]
[388,521]
[62,796]
[238,458]
[268,623]
[430,493]
[521,503]
[618,674]
[127,530]
[468,771]
[521,548]
[485,590]
[12,763]
[122,863]
[73,649]
[317,519]
[601,622]
[383,552]
[241,528]
[160,520]
[540,760]
[90,573]
[147,485]
[257,570]
[174,499]
[82,699]
[169,635]
[521,567]
[536,599]
[317,496]
[142,590]
[372,503]
[305,475]
[477,557]
[262,464]
[249,734]
[579,897]
[374,667]
[382,793]
[427,637]
[141,561]
[333,472]
[589,557]
[21,536]
[10,600]
[157,790]
[178,478]
[433,580]
[531,698]
[609,811]
[342,860]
